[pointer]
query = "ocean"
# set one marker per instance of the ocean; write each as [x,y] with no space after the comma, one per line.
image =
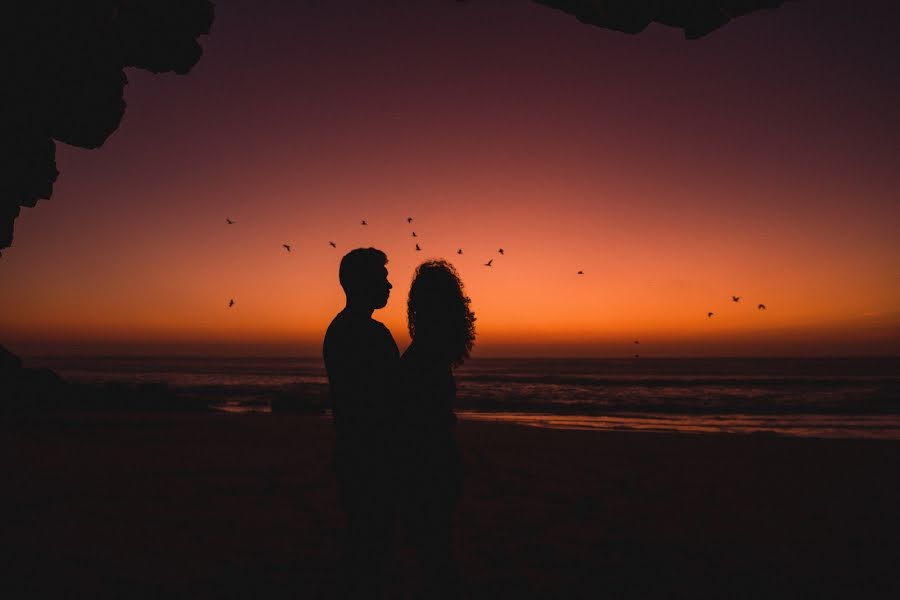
[819,397]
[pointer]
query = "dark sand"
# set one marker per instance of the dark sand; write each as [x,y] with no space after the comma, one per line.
[217,505]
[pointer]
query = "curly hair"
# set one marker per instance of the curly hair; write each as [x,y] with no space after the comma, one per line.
[440,320]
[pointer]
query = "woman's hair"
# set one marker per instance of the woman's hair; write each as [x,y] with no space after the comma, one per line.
[440,321]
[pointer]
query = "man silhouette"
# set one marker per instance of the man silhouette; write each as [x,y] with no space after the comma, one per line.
[362,360]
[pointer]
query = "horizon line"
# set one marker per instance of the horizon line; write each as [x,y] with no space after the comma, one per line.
[536,357]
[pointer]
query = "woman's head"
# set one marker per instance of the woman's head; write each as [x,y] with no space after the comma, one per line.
[440,321]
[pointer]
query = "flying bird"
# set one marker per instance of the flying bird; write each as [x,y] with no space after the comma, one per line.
[409,219]
[580,273]
[364,223]
[761,307]
[500,250]
[286,247]
[709,314]
[333,245]
[459,251]
[735,298]
[488,263]
[229,221]
[414,234]
[231,303]
[417,248]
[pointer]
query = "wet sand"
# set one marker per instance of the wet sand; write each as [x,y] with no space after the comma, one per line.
[218,505]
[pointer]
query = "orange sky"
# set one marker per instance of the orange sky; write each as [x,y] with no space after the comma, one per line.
[673,173]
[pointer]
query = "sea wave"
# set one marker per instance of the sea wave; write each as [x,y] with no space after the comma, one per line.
[851,386]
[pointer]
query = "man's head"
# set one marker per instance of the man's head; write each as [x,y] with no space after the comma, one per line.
[364,278]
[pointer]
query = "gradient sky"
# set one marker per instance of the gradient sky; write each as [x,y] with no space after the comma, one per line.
[762,161]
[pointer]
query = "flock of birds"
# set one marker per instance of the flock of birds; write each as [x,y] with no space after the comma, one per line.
[409,220]
[489,263]
[736,299]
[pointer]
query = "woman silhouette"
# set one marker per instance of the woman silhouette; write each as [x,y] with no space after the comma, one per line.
[442,328]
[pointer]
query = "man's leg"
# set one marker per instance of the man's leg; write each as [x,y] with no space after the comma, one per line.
[369,537]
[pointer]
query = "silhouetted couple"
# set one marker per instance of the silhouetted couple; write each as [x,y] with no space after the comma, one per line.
[396,457]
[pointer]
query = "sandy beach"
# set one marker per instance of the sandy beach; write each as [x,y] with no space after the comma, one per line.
[218,505]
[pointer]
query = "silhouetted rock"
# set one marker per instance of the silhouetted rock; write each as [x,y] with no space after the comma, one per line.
[9,363]
[695,17]
[24,389]
[63,64]
[40,389]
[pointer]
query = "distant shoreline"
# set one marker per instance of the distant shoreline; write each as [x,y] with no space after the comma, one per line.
[799,396]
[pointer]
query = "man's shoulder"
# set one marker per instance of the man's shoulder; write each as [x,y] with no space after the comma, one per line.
[339,321]
[345,321]
[379,326]
[354,329]
[346,324]
[383,332]
[354,340]
[340,332]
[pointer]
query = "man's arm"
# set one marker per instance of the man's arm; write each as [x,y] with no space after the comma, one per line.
[361,368]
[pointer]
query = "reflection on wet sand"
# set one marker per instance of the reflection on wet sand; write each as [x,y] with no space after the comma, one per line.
[819,426]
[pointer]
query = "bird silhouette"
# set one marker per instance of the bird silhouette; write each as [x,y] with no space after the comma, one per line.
[709,314]
[488,263]
[286,247]
[417,248]
[735,298]
[409,219]
[414,234]
[580,273]
[500,250]
[761,307]
[229,221]
[363,223]
[333,245]
[231,303]
[459,251]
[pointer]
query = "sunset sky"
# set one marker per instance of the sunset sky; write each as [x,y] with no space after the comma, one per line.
[761,161]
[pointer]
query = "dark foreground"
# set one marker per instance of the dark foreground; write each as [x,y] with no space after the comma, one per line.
[216,505]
